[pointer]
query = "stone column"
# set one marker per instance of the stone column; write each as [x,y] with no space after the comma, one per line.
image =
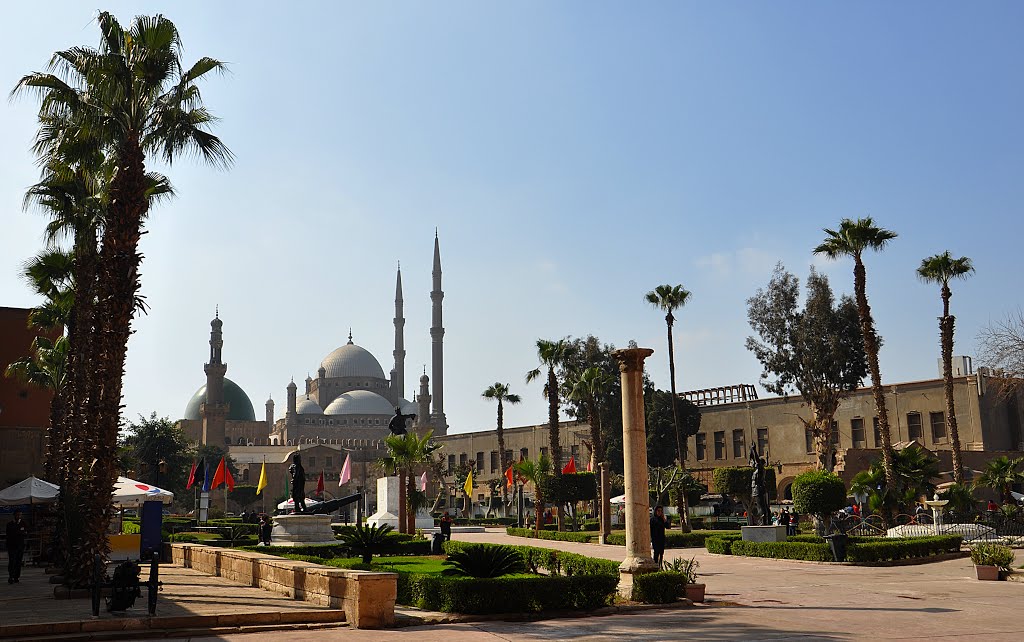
[634,453]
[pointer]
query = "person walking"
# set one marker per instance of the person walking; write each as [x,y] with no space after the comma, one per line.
[265,529]
[658,525]
[16,535]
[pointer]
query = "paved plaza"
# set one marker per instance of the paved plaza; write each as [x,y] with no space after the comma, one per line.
[748,599]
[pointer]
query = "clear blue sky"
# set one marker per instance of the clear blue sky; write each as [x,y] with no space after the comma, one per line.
[573,156]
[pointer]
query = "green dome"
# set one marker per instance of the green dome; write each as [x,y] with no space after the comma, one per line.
[241,407]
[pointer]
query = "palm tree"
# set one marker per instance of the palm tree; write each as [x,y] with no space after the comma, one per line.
[500,392]
[913,471]
[552,355]
[852,239]
[134,98]
[941,269]
[405,453]
[47,368]
[533,472]
[1000,475]
[588,388]
[669,298]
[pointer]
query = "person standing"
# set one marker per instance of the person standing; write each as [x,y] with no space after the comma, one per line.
[266,528]
[16,535]
[658,525]
[446,526]
[784,518]
[794,521]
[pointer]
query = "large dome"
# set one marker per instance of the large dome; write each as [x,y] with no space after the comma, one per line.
[241,407]
[351,360]
[359,402]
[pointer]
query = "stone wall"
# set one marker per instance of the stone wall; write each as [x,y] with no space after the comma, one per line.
[368,598]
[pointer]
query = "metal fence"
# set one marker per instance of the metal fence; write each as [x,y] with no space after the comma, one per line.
[982,526]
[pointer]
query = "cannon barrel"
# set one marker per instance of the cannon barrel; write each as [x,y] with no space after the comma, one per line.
[332,505]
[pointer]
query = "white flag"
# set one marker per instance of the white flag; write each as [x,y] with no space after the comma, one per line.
[346,471]
[423,482]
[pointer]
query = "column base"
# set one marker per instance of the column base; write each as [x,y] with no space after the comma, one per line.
[631,567]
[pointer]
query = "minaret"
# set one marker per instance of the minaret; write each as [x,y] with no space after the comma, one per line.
[398,378]
[437,345]
[214,411]
[270,415]
[423,401]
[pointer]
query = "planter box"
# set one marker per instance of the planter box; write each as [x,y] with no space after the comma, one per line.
[987,572]
[695,592]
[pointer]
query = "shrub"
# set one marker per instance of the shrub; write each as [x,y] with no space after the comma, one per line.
[692,539]
[485,561]
[366,540]
[130,528]
[583,538]
[688,567]
[985,554]
[859,549]
[721,543]
[553,561]
[882,550]
[735,481]
[509,594]
[783,550]
[818,492]
[661,587]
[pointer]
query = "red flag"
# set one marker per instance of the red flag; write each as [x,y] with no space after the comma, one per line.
[570,467]
[228,479]
[508,475]
[590,465]
[191,476]
[218,477]
[522,480]
[320,484]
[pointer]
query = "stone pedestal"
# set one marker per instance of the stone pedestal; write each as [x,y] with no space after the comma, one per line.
[300,530]
[388,490]
[634,451]
[423,519]
[763,533]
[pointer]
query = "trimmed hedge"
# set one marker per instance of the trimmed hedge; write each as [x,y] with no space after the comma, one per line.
[818,492]
[555,562]
[784,550]
[692,539]
[858,549]
[661,587]
[508,594]
[583,538]
[898,549]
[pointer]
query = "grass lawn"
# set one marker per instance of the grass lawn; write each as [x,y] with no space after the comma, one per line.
[426,565]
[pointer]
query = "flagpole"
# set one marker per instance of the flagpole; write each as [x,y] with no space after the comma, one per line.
[261,492]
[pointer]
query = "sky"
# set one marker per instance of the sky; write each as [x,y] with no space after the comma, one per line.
[571,156]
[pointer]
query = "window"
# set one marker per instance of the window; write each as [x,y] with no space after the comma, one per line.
[508,456]
[574,452]
[702,446]
[543,452]
[494,460]
[857,432]
[330,462]
[938,422]
[451,463]
[878,432]
[463,459]
[330,422]
[480,461]
[836,441]
[524,453]
[737,443]
[344,422]
[720,444]
[808,439]
[762,441]
[914,430]
[312,462]
[227,441]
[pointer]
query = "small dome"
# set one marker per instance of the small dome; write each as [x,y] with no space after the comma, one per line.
[360,402]
[351,360]
[241,406]
[307,406]
[408,407]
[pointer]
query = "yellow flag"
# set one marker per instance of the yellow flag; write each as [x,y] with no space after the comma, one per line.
[468,486]
[263,478]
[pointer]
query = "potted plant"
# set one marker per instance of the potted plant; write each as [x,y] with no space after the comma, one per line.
[990,559]
[688,567]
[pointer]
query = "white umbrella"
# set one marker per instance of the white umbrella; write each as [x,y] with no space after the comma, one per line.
[29,491]
[129,493]
[1017,496]
[289,504]
[619,499]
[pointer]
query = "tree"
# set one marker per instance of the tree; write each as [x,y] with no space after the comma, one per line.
[941,269]
[132,97]
[817,351]
[553,356]
[589,388]
[914,468]
[852,239]
[734,481]
[405,453]
[661,425]
[583,354]
[818,493]
[156,452]
[533,471]
[1000,475]
[500,392]
[1001,348]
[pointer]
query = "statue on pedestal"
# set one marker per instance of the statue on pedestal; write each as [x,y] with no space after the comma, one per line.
[760,515]
[397,423]
[298,475]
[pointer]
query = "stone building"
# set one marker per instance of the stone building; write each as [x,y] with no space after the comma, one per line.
[732,419]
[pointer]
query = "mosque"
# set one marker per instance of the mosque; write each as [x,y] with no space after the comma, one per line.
[349,402]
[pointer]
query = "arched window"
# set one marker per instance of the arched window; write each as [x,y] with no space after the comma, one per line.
[245,475]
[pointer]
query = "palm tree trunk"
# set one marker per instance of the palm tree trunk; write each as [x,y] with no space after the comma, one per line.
[867,327]
[946,324]
[410,512]
[554,440]
[502,464]
[684,504]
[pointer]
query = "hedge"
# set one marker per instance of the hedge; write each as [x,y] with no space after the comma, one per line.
[661,587]
[721,543]
[396,544]
[509,594]
[818,492]
[692,539]
[555,562]
[583,538]
[859,549]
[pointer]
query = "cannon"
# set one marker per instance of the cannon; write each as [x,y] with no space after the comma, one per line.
[332,505]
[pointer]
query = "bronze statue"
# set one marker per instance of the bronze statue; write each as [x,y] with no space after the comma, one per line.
[298,475]
[397,423]
[759,515]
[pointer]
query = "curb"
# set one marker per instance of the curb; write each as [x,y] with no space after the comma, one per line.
[403,620]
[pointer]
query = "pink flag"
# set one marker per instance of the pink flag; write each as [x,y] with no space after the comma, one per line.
[423,482]
[346,471]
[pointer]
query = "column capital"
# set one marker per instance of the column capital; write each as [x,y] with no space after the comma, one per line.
[631,359]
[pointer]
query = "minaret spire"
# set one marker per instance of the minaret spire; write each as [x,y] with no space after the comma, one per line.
[437,345]
[214,410]
[398,380]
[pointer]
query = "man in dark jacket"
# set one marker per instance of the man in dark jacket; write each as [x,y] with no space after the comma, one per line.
[16,534]
[658,524]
